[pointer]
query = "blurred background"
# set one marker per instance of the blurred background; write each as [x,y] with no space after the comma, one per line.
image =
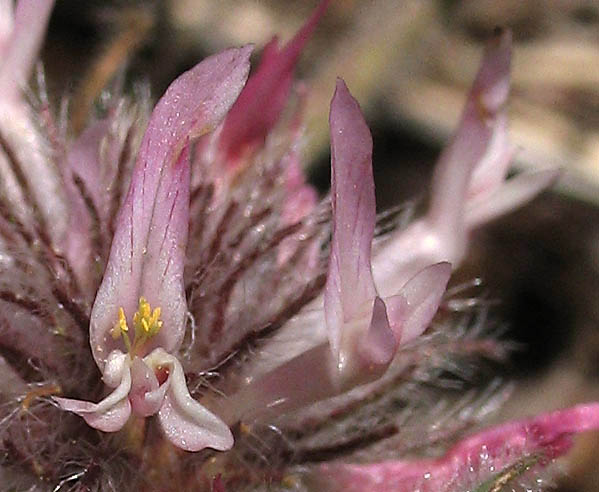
[409,63]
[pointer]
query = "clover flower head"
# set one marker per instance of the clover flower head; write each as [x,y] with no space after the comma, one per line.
[177,269]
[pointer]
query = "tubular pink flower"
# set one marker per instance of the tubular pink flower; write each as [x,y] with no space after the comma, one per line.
[265,95]
[145,267]
[469,184]
[469,188]
[350,289]
[151,232]
[20,48]
[513,447]
[20,41]
[363,331]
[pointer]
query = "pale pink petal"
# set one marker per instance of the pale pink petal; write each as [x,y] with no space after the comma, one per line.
[411,311]
[164,255]
[83,163]
[148,261]
[111,420]
[186,423]
[442,235]
[512,194]
[301,197]
[262,100]
[313,375]
[470,462]
[148,250]
[379,344]
[349,283]
[300,200]
[83,158]
[492,169]
[111,413]
[116,363]
[6,24]
[146,395]
[31,19]
[468,146]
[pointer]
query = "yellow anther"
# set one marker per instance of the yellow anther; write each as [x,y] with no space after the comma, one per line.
[120,326]
[145,322]
[123,321]
[156,315]
[144,307]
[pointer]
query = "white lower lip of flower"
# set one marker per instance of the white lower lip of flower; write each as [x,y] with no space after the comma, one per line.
[186,423]
[115,365]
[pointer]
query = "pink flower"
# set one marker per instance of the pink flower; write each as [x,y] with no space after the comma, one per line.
[21,35]
[146,264]
[350,293]
[363,331]
[266,94]
[470,185]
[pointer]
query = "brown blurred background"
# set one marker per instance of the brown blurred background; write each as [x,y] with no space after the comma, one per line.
[409,63]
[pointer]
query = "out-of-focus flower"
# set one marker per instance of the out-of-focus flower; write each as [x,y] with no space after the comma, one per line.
[470,185]
[20,40]
[220,295]
[264,97]
[535,441]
